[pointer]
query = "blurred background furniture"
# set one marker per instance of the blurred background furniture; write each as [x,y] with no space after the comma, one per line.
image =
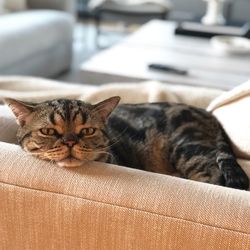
[234,11]
[37,42]
[38,54]
[155,42]
[68,6]
[130,12]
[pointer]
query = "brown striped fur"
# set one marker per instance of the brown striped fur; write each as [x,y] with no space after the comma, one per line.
[166,138]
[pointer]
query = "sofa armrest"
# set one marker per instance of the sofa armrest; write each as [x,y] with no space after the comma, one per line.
[101,206]
[64,5]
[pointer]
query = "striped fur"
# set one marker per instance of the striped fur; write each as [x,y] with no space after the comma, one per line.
[166,138]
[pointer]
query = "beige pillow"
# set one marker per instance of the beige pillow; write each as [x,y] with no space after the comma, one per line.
[232,110]
[15,5]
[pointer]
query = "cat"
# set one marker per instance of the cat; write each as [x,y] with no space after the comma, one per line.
[167,138]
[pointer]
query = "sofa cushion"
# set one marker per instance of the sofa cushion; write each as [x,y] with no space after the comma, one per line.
[232,110]
[101,206]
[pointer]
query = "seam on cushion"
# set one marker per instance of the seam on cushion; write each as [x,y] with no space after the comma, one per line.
[122,206]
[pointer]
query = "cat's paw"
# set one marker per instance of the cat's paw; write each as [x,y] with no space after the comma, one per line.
[236,178]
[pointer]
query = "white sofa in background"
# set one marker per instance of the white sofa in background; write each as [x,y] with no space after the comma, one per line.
[38,40]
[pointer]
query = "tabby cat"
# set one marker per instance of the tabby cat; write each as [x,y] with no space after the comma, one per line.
[167,138]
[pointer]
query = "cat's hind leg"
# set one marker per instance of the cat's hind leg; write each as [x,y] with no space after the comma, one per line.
[204,170]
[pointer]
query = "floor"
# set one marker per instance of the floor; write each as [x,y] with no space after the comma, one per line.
[85,44]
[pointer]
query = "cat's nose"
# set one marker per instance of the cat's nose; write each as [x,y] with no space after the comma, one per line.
[70,143]
[70,140]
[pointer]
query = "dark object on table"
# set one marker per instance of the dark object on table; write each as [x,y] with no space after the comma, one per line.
[167,68]
[200,30]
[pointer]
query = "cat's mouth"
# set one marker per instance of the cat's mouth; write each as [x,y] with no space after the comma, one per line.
[69,162]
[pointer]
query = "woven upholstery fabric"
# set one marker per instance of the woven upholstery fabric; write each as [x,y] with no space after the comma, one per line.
[101,206]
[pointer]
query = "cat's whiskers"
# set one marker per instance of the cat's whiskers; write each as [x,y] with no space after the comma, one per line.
[41,156]
[113,143]
[85,149]
[30,153]
[99,151]
[94,150]
[47,154]
[54,150]
[107,153]
[116,140]
[44,151]
[57,144]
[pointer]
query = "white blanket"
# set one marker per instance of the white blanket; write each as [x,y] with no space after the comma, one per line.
[39,89]
[232,110]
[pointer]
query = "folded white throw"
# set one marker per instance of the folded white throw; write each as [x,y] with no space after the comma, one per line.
[39,89]
[232,110]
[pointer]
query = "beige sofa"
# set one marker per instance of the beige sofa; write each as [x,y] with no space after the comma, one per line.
[101,206]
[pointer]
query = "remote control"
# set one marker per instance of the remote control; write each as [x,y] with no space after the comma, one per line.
[167,68]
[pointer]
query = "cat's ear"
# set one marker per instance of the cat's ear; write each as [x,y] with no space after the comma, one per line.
[105,107]
[21,110]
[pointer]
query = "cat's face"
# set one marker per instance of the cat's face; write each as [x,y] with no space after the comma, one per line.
[67,132]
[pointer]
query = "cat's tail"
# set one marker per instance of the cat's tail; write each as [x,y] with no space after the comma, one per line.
[234,175]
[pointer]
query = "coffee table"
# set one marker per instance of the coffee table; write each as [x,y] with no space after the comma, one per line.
[155,42]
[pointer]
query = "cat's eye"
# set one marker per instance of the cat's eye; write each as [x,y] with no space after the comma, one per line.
[48,131]
[87,131]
